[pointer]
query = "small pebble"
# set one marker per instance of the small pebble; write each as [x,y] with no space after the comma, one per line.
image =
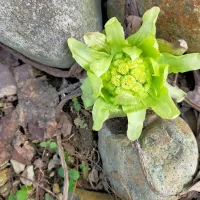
[17,166]
[52,174]
[60,196]
[56,188]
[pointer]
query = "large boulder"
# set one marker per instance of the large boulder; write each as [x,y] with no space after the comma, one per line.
[157,168]
[39,29]
[178,19]
[115,8]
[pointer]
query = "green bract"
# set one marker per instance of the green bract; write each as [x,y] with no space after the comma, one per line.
[126,77]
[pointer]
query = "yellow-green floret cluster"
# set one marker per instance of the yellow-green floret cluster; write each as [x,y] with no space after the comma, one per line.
[127,77]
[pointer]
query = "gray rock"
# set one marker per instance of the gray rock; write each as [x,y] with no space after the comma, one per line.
[7,81]
[39,29]
[17,166]
[164,166]
[115,8]
[23,72]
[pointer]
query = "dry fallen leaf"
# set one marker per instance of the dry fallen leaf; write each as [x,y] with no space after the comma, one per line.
[5,189]
[39,163]
[195,187]
[4,155]
[28,175]
[193,192]
[54,162]
[93,176]
[23,152]
[65,124]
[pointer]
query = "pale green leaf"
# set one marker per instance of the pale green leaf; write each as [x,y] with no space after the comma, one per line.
[155,67]
[52,145]
[176,93]
[149,47]
[159,81]
[135,124]
[106,95]
[73,174]
[71,185]
[99,67]
[164,106]
[44,144]
[117,113]
[48,197]
[76,104]
[27,188]
[87,94]
[101,112]
[83,55]
[85,170]
[97,41]
[133,52]
[115,35]
[172,48]
[148,27]
[96,84]
[61,172]
[22,195]
[153,92]
[184,63]
[11,197]
[134,107]
[124,99]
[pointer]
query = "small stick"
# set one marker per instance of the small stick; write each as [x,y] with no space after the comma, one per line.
[192,103]
[186,99]
[72,95]
[75,93]
[64,165]
[39,185]
[175,80]
[70,88]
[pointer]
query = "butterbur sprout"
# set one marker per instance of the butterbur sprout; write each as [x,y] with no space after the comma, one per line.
[128,76]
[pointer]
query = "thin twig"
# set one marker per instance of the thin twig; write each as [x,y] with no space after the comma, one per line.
[192,103]
[64,165]
[72,95]
[75,93]
[74,70]
[186,99]
[40,179]
[198,125]
[175,80]
[70,88]
[196,74]
[39,185]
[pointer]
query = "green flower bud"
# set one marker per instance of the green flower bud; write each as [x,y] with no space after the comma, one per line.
[128,76]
